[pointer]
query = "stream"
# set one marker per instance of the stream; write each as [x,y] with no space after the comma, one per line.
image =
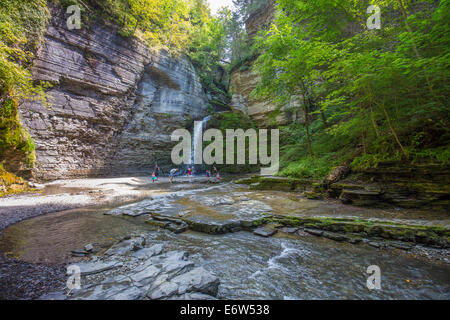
[284,266]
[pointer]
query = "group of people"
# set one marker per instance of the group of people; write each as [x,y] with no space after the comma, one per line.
[209,173]
[214,173]
[155,173]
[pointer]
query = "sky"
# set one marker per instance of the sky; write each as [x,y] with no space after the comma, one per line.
[217,4]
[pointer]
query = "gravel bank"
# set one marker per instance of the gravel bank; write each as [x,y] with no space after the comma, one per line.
[26,281]
[71,194]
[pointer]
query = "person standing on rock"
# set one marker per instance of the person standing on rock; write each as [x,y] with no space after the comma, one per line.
[172,174]
[214,171]
[189,172]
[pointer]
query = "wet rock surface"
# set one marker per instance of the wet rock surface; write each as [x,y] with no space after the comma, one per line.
[266,231]
[131,273]
[396,184]
[207,212]
[154,262]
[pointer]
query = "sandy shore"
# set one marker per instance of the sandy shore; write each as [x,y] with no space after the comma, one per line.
[62,195]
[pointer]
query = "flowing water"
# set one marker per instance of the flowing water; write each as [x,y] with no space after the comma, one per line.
[249,267]
[197,143]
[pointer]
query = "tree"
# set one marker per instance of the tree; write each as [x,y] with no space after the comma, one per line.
[373,88]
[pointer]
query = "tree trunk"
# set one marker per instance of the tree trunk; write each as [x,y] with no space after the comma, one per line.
[364,132]
[305,111]
[324,119]
[416,51]
[393,131]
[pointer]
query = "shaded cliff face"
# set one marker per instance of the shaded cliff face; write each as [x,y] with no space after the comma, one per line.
[113,104]
[244,80]
[260,18]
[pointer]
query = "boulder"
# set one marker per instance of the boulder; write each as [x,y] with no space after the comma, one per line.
[146,253]
[92,267]
[315,232]
[289,230]
[126,247]
[335,236]
[265,231]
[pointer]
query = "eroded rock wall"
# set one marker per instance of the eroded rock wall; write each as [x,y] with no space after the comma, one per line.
[244,79]
[113,103]
[243,82]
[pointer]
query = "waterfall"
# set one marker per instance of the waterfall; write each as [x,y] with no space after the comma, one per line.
[197,142]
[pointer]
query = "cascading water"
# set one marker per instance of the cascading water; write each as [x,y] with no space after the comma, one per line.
[197,144]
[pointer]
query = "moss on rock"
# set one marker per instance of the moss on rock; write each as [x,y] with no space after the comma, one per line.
[428,235]
[11,184]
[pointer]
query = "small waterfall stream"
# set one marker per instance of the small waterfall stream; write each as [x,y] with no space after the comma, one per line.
[197,144]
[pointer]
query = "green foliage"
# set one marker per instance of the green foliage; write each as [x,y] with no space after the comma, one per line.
[21,27]
[240,49]
[166,24]
[209,109]
[307,168]
[207,50]
[13,136]
[22,24]
[383,91]
[329,151]
[230,120]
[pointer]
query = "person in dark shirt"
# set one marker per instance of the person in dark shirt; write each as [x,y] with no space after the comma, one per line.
[157,169]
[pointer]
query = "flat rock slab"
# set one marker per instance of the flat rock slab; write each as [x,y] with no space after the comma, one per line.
[126,247]
[53,296]
[195,280]
[314,232]
[133,213]
[335,236]
[265,231]
[146,253]
[169,275]
[87,268]
[402,246]
[212,201]
[289,230]
[376,244]
[192,296]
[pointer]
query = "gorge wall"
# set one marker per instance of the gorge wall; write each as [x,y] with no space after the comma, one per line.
[244,79]
[113,103]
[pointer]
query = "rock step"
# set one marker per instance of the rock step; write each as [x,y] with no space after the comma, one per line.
[169,223]
[157,275]
[276,183]
[433,236]
[399,184]
[266,231]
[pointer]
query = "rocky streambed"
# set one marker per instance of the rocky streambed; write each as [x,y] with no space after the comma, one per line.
[226,241]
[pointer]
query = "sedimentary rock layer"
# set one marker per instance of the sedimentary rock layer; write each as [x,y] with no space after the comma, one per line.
[113,103]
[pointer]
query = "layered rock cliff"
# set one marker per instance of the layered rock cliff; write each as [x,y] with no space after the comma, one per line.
[113,103]
[243,81]
[244,78]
